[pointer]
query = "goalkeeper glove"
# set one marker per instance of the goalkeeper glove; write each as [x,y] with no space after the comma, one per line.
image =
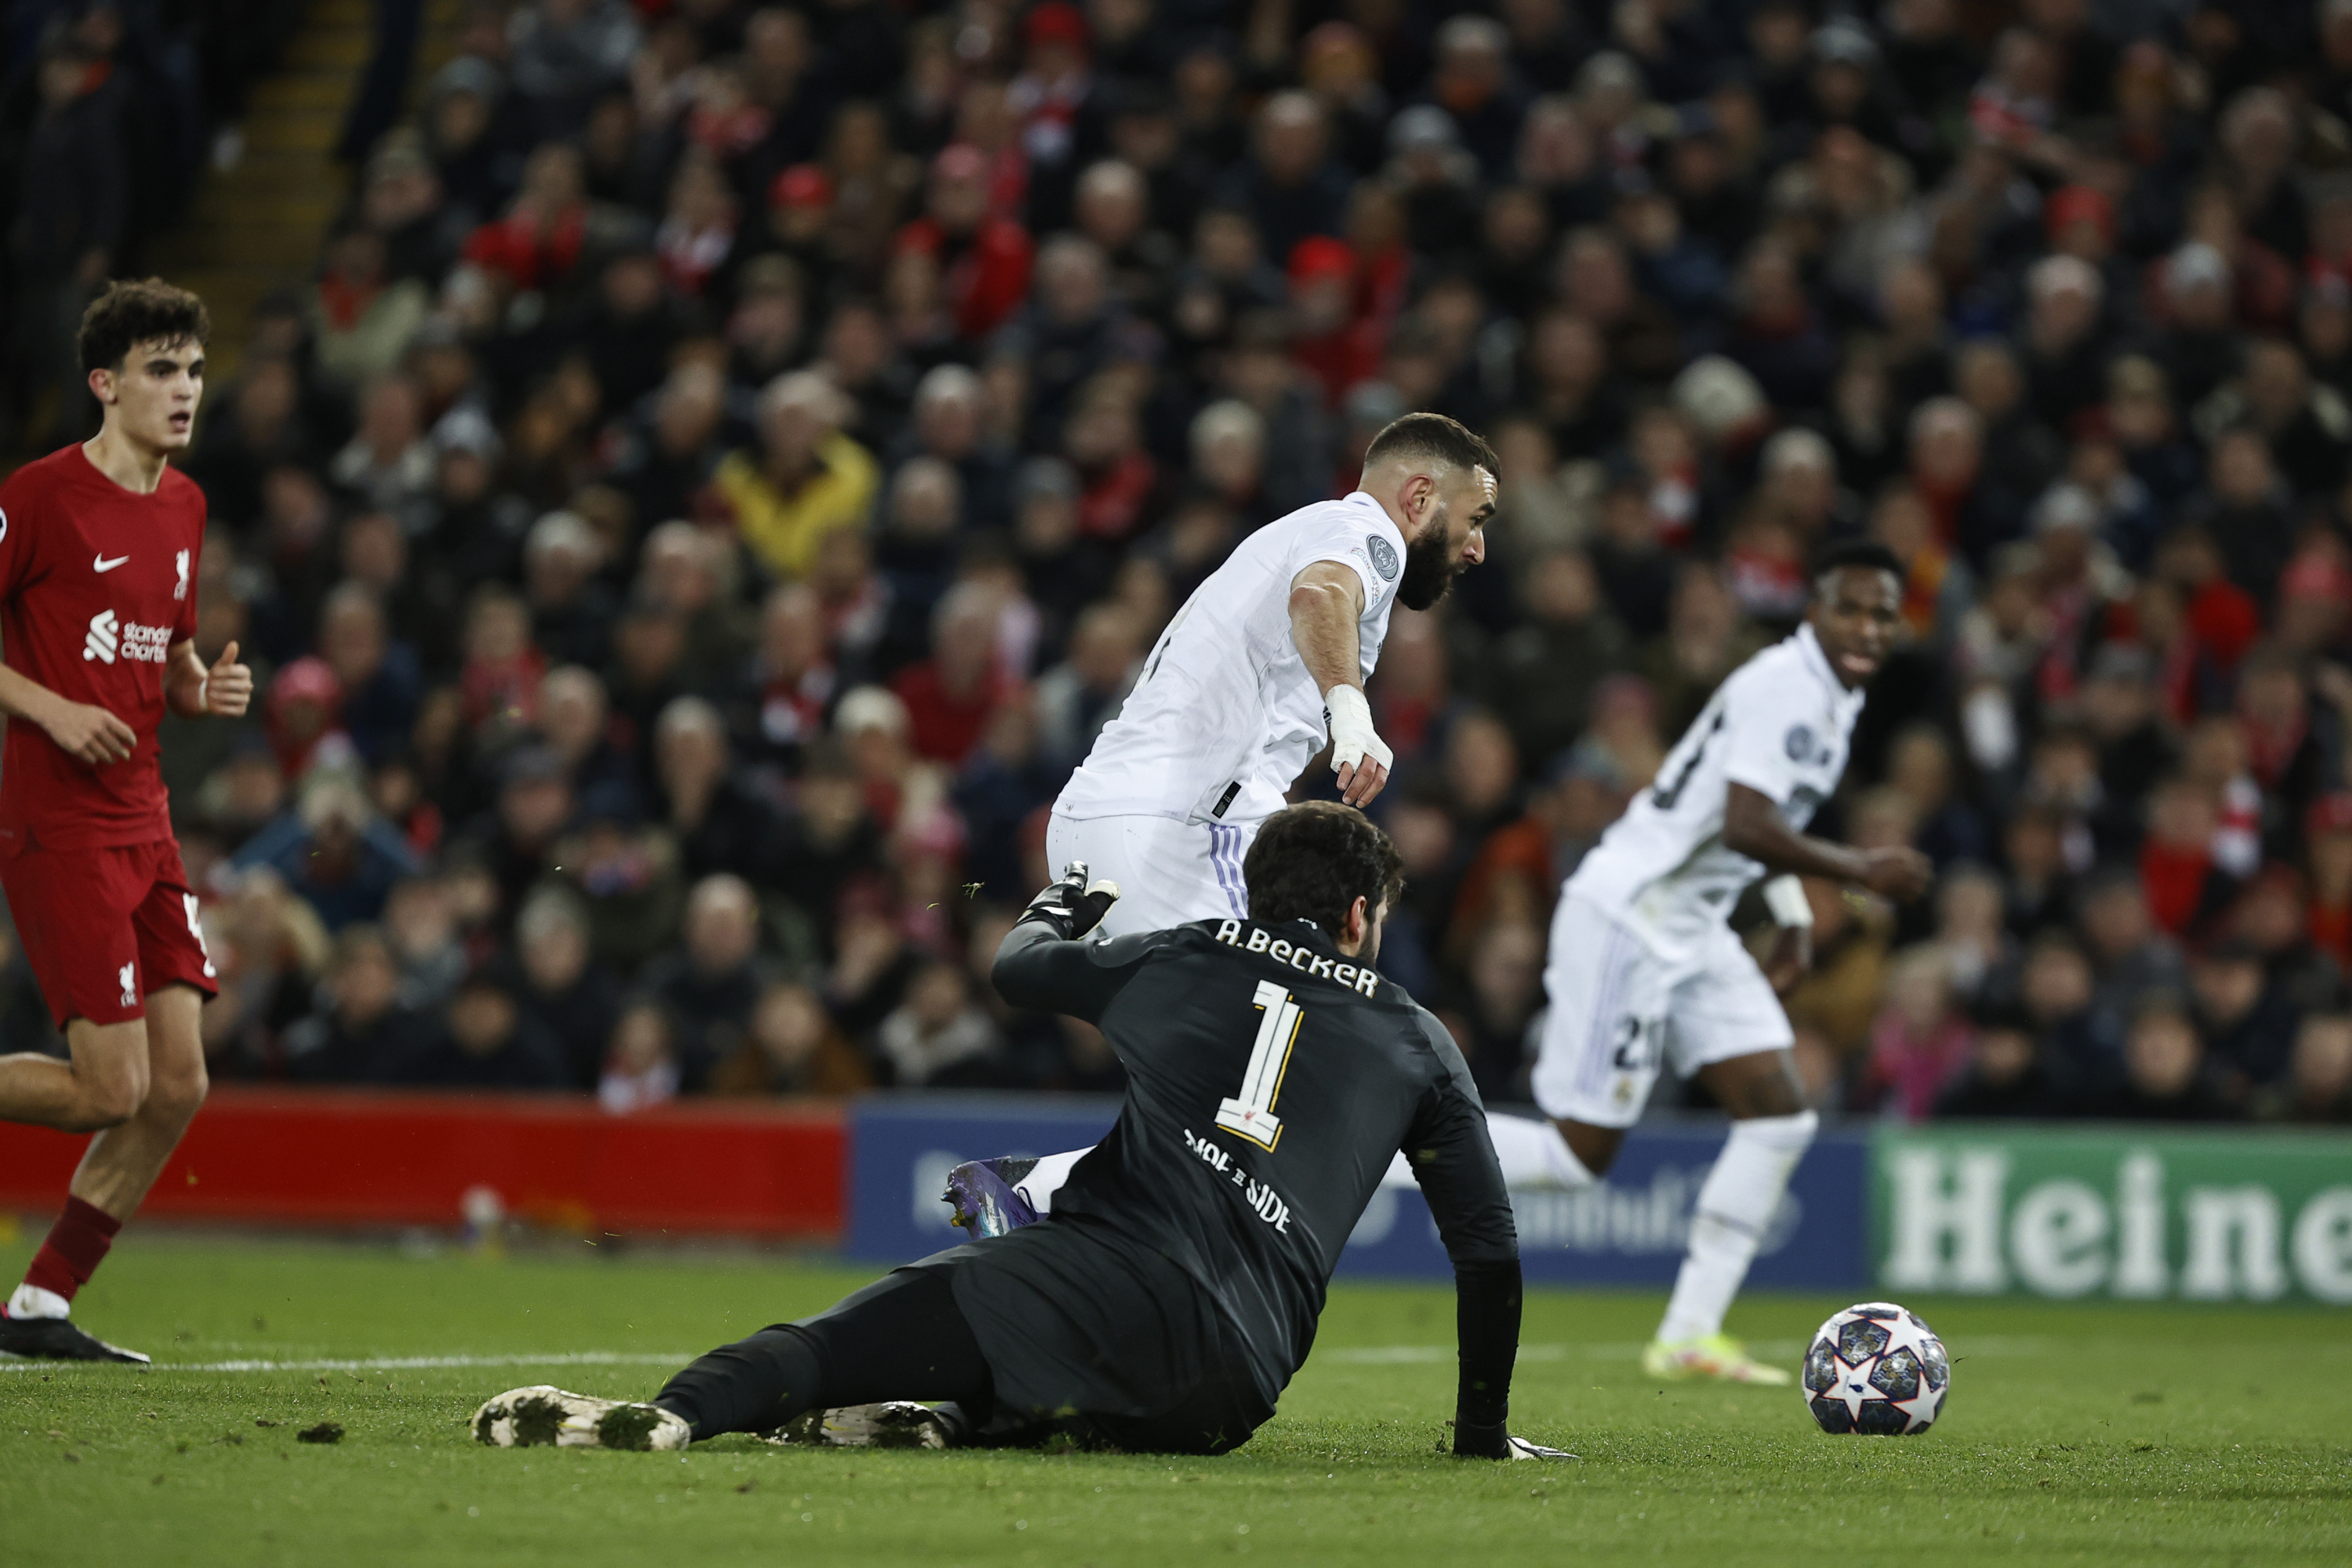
[1073,905]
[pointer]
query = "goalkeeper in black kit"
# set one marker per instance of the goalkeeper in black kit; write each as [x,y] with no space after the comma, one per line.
[1169,1297]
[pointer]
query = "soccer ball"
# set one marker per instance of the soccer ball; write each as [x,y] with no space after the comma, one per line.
[1875,1368]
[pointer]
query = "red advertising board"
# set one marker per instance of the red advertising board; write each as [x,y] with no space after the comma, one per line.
[335,1157]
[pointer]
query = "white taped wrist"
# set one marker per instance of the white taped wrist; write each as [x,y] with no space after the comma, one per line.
[1353,738]
[1785,897]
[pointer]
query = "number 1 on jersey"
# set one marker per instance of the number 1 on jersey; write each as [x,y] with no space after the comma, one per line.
[1250,1112]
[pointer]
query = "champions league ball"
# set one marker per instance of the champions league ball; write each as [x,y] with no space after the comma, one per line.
[1875,1368]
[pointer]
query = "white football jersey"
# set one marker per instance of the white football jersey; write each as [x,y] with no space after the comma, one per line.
[1780,724]
[1224,717]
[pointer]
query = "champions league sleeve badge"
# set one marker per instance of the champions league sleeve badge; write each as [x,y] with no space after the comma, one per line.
[1384,556]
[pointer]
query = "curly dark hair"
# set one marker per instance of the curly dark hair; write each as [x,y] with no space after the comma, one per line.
[128,314]
[1314,861]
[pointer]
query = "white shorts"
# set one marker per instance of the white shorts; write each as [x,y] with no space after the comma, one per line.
[1618,1011]
[1168,872]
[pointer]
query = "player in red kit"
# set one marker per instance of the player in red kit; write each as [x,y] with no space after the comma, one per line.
[98,546]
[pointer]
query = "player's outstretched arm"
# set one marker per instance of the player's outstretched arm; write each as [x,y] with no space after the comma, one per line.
[1042,964]
[1753,827]
[192,691]
[89,734]
[1326,600]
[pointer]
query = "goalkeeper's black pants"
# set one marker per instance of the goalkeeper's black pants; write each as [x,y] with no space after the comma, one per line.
[903,1337]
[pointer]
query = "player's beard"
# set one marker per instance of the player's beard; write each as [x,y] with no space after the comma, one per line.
[1430,567]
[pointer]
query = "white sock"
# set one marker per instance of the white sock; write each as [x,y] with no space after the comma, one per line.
[1041,1183]
[1532,1154]
[32,1301]
[1735,1203]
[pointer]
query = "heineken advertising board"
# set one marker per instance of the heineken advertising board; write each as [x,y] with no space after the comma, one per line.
[2117,1212]
[2129,1213]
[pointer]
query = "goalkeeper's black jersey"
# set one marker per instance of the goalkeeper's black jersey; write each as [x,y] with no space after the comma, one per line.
[1270,1083]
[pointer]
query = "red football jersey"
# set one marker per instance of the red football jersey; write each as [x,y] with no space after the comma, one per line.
[97,583]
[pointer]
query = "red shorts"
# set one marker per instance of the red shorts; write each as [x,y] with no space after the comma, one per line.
[105,929]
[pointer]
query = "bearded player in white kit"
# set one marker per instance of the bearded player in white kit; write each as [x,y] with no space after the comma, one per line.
[1262,666]
[1644,967]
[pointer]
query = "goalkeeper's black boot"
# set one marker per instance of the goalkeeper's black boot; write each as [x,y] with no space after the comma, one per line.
[58,1339]
[986,1201]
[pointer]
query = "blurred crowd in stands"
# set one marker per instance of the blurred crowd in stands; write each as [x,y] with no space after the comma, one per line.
[732,458]
[109,112]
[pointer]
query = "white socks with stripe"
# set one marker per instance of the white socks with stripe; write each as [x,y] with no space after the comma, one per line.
[1735,1205]
[1532,1154]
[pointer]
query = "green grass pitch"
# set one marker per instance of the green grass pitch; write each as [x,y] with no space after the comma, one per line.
[2076,1433]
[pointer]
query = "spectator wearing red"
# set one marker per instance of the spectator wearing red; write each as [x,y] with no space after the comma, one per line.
[2247,510]
[985,121]
[1104,441]
[1384,262]
[2282,752]
[790,678]
[500,679]
[1901,522]
[304,715]
[950,695]
[2314,600]
[985,258]
[1051,92]
[725,120]
[539,240]
[1921,1041]
[698,235]
[2222,619]
[2080,223]
[1946,456]
[2327,831]
[2013,106]
[364,318]
[1334,343]
[2177,871]
[799,226]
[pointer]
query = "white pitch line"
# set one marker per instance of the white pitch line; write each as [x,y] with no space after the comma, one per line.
[1416,1355]
[1992,1345]
[1997,1345]
[393,1364]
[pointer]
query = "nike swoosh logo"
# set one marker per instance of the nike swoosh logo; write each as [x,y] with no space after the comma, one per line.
[106,565]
